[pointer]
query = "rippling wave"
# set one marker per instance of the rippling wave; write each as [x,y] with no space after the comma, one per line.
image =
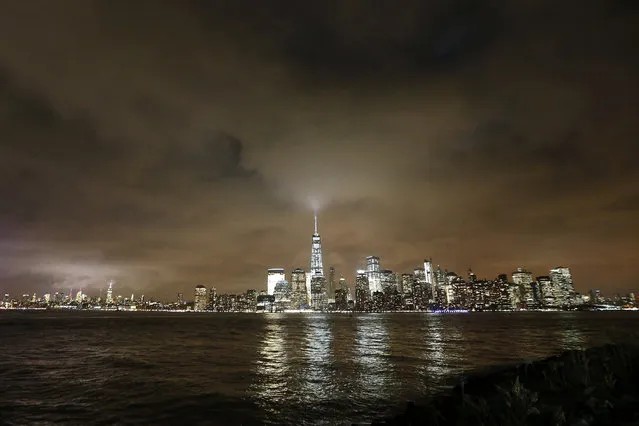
[149,369]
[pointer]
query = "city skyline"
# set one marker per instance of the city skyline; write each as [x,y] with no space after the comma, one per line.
[420,291]
[437,286]
[161,144]
[373,269]
[375,289]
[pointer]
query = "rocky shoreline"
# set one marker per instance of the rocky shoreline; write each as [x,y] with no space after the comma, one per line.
[597,386]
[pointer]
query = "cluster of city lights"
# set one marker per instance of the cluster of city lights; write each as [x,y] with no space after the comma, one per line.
[427,288]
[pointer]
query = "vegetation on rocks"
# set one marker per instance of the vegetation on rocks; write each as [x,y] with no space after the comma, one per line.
[598,386]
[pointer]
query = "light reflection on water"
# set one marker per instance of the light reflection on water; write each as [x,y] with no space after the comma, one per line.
[326,360]
[263,369]
[318,381]
[272,363]
[572,337]
[372,351]
[443,349]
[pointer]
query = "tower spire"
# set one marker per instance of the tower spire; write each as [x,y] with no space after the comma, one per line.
[315,223]
[317,268]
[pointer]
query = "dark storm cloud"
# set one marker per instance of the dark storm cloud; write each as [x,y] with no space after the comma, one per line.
[358,40]
[167,144]
[43,153]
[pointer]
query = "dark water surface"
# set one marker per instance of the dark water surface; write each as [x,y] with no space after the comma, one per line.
[89,368]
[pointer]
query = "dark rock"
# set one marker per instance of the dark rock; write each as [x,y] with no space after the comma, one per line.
[598,386]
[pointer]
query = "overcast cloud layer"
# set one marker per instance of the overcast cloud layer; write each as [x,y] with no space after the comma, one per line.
[167,144]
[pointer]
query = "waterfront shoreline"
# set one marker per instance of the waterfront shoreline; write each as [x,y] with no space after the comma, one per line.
[310,311]
[596,386]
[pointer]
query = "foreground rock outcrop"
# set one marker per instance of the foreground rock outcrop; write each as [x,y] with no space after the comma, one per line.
[598,386]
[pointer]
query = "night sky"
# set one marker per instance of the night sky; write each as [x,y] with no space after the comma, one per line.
[166,144]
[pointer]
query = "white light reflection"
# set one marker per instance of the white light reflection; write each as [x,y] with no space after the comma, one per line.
[443,353]
[372,351]
[272,368]
[318,383]
[571,335]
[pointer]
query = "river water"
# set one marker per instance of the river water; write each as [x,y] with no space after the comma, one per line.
[86,368]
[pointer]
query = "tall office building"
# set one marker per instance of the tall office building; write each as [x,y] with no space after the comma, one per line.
[362,290]
[200,300]
[440,278]
[283,295]
[274,276]
[421,297]
[341,299]
[545,292]
[317,265]
[397,277]
[521,276]
[407,283]
[343,285]
[315,281]
[388,282]
[298,286]
[319,299]
[407,289]
[561,279]
[109,296]
[373,273]
[251,299]
[524,293]
[429,279]
[212,298]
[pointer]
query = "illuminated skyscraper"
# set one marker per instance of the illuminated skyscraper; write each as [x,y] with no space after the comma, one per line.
[316,285]
[387,280]
[298,285]
[521,276]
[563,286]
[212,298]
[524,293]
[274,276]
[200,300]
[407,283]
[545,294]
[283,293]
[251,299]
[373,273]
[343,285]
[109,296]
[319,298]
[420,298]
[317,266]
[341,299]
[429,280]
[362,290]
